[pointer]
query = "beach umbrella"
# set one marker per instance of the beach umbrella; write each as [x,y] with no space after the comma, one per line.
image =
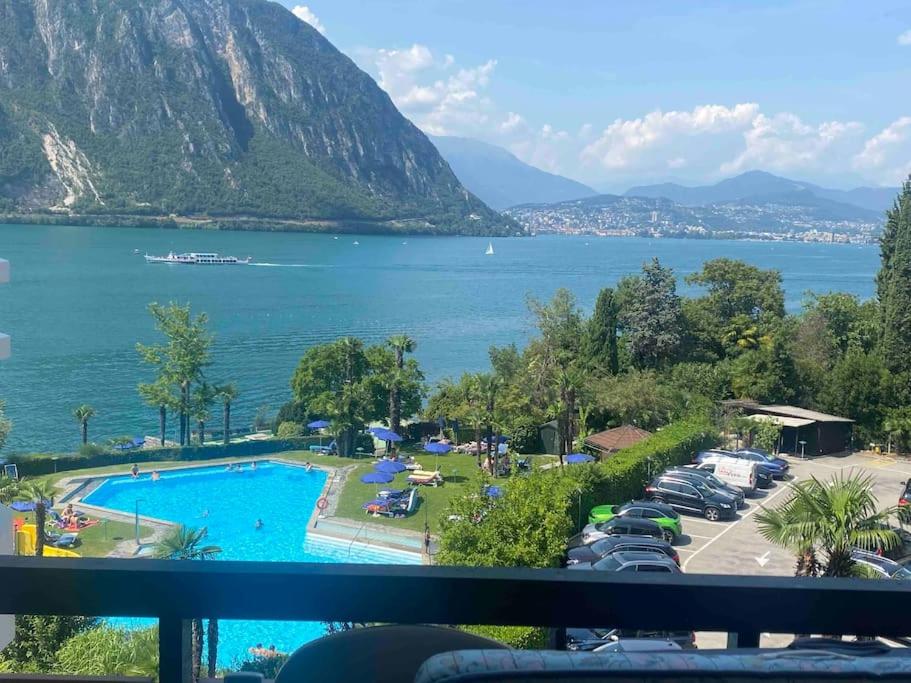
[493,491]
[436,448]
[377,478]
[319,424]
[575,458]
[389,467]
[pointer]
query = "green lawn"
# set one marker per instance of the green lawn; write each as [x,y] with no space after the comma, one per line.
[458,472]
[102,538]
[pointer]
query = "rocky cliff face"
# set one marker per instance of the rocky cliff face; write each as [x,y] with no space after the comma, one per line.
[208,107]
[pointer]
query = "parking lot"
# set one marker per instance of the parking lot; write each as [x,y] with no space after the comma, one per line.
[736,547]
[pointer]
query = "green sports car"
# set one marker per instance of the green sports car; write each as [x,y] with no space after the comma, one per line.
[661,514]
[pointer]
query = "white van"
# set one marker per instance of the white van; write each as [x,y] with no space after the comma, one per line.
[733,471]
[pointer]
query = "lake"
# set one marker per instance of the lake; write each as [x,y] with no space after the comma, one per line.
[76,305]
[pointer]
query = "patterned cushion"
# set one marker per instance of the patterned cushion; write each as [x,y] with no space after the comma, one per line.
[774,666]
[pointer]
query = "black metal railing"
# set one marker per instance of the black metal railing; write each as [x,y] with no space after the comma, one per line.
[174,592]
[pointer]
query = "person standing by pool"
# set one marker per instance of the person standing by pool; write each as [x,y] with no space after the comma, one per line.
[134,471]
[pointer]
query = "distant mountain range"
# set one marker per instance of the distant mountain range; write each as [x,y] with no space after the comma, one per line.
[218,112]
[759,186]
[500,179]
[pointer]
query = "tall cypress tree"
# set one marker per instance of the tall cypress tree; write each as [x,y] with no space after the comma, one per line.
[894,284]
[600,348]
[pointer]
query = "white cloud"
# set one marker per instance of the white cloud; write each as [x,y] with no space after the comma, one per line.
[783,142]
[511,122]
[304,13]
[888,153]
[630,143]
[437,95]
[905,38]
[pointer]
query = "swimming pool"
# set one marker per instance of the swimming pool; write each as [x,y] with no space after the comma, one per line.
[228,503]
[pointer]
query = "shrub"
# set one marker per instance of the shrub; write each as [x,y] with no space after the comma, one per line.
[294,411]
[364,443]
[516,637]
[267,666]
[525,438]
[91,449]
[289,430]
[623,475]
[106,651]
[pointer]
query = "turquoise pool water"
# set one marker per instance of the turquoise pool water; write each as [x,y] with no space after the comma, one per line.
[228,503]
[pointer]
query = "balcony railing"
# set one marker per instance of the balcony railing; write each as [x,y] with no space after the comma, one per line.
[175,591]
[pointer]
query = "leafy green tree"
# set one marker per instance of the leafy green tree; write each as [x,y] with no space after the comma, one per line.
[897,426]
[182,360]
[289,430]
[851,324]
[766,374]
[201,408]
[40,492]
[158,394]
[828,520]
[894,284]
[82,415]
[636,398]
[38,639]
[185,543]
[400,344]
[856,387]
[737,288]
[712,380]
[329,380]
[526,527]
[109,651]
[227,394]
[651,316]
[600,342]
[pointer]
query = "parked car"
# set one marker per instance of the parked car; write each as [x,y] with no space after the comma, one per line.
[633,561]
[664,515]
[619,526]
[704,474]
[905,498]
[640,645]
[763,476]
[608,545]
[778,467]
[690,496]
[589,639]
[881,566]
[764,473]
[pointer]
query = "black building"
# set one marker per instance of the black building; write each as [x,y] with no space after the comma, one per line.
[820,433]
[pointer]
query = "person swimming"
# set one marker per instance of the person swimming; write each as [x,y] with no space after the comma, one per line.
[205,513]
[308,466]
[252,464]
[230,467]
[155,475]
[258,525]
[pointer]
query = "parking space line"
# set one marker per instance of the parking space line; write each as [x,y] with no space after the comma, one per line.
[705,538]
[684,550]
[734,525]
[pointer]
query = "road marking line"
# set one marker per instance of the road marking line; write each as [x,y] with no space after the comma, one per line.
[683,550]
[734,525]
[705,538]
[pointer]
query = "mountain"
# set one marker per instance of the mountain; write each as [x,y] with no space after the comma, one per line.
[761,184]
[502,180]
[232,110]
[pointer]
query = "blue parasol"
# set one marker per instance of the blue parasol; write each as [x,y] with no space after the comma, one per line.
[389,467]
[318,424]
[385,434]
[437,447]
[575,458]
[493,491]
[377,478]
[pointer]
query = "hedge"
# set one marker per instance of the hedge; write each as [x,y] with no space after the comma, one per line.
[516,637]
[623,476]
[37,464]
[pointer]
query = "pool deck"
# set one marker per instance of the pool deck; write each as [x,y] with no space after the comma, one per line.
[321,523]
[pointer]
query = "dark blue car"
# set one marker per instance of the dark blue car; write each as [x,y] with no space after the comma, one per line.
[777,467]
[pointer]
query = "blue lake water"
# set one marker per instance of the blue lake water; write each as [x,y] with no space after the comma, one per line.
[77,305]
[228,505]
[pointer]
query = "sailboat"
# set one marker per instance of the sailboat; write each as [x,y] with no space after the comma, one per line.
[489,251]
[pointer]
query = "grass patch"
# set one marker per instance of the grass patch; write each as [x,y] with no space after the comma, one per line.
[102,538]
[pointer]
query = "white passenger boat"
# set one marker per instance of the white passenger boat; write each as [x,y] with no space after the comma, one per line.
[198,259]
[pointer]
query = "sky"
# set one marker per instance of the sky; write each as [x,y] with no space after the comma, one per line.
[616,94]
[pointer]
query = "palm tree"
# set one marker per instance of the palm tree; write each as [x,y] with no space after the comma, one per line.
[829,519]
[202,401]
[401,344]
[227,394]
[39,492]
[158,395]
[184,543]
[83,414]
[9,489]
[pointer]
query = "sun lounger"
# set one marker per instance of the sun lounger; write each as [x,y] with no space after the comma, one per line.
[400,507]
[425,478]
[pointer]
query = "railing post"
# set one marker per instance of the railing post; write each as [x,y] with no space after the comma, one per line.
[174,665]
